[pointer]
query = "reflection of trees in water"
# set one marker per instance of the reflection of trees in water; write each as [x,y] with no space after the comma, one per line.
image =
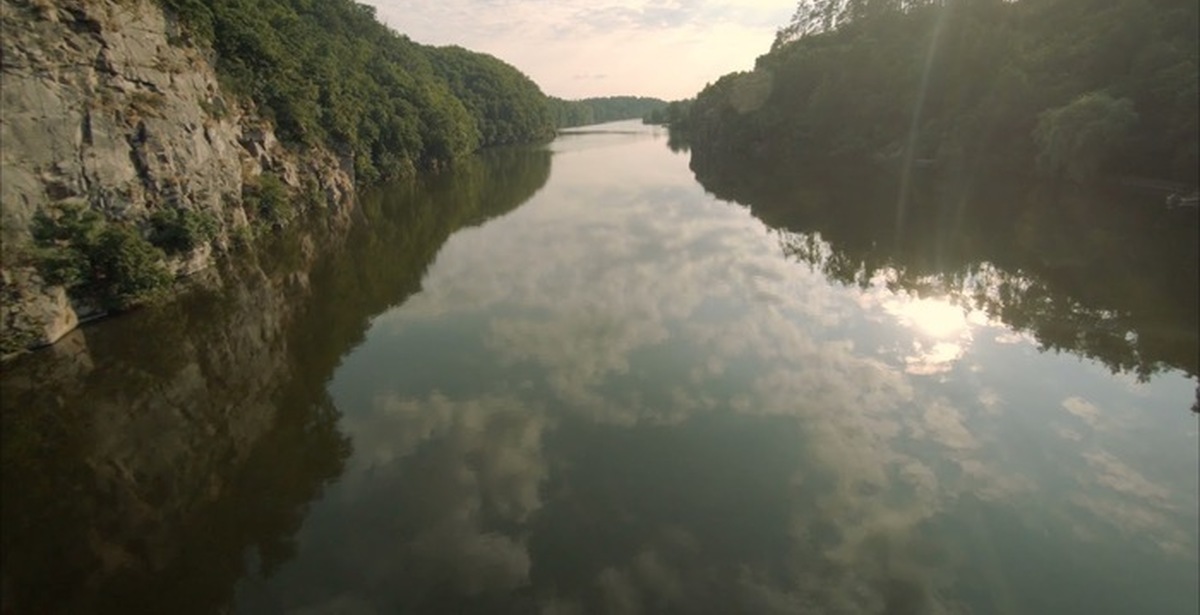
[401,227]
[138,481]
[143,457]
[678,141]
[1103,274]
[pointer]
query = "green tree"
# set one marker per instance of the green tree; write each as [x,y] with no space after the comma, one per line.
[127,269]
[967,83]
[586,111]
[1079,138]
[328,73]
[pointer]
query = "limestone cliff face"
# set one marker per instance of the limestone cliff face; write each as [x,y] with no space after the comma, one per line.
[100,104]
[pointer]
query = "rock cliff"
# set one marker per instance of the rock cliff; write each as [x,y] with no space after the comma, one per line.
[104,107]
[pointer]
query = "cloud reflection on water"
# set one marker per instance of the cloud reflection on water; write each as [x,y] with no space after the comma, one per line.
[627,338]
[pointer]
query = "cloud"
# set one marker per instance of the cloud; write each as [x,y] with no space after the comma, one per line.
[1114,474]
[665,48]
[1085,410]
[1006,336]
[936,358]
[430,480]
[689,290]
[945,424]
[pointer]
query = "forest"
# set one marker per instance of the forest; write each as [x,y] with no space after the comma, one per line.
[674,114]
[1072,89]
[326,71]
[586,111]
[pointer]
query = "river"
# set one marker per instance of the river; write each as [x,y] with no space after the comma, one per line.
[586,378]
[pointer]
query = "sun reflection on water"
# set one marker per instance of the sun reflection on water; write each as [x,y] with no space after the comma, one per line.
[934,317]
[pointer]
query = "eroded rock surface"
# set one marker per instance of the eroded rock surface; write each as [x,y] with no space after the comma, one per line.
[101,104]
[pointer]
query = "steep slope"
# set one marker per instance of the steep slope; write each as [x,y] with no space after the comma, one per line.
[103,114]
[142,139]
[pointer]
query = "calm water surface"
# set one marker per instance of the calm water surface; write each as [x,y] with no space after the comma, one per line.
[576,381]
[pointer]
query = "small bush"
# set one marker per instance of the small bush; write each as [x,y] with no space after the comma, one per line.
[64,266]
[268,199]
[78,249]
[128,269]
[314,197]
[179,231]
[215,108]
[63,236]
[68,221]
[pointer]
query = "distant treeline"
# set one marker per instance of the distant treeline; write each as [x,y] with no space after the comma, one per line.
[674,114]
[1078,89]
[587,111]
[327,72]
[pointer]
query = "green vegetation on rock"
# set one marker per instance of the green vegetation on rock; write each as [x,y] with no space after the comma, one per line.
[179,230]
[110,261]
[328,73]
[267,198]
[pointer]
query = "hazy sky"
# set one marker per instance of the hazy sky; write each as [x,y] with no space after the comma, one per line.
[580,48]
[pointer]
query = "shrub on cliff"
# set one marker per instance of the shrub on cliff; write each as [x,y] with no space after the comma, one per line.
[126,269]
[63,236]
[77,248]
[266,198]
[179,230]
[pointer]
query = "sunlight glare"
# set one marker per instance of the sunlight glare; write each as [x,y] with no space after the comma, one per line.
[934,317]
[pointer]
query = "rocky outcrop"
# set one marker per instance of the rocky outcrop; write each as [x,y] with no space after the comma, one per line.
[35,314]
[102,105]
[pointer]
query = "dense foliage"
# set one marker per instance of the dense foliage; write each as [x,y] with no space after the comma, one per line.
[78,249]
[675,114]
[1076,88]
[587,111]
[508,108]
[326,72]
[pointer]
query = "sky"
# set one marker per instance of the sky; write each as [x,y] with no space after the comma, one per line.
[668,49]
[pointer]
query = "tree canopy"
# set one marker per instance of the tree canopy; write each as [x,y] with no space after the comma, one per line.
[1062,86]
[675,114]
[587,111]
[328,72]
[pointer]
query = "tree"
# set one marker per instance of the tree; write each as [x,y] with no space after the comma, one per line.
[1079,138]
[968,82]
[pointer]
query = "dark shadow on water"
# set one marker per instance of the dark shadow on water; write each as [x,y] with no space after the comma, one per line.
[152,461]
